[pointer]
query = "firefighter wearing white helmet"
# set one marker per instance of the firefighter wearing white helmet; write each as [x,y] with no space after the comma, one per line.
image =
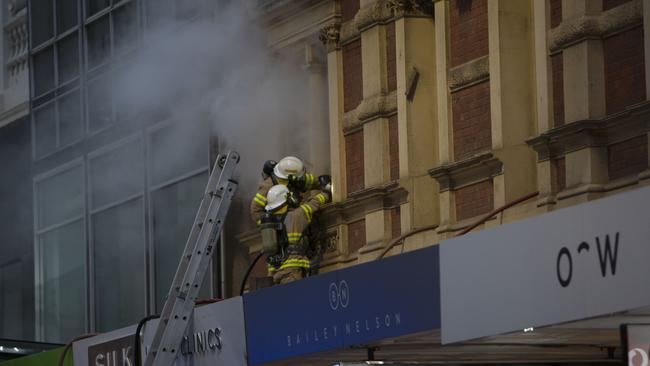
[290,261]
[289,171]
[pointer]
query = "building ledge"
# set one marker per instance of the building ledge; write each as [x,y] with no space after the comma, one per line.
[467,171]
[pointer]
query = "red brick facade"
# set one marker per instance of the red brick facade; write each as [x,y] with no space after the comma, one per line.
[556,12]
[627,158]
[468,29]
[473,200]
[393,147]
[471,120]
[349,9]
[352,77]
[609,4]
[391,56]
[557,70]
[558,175]
[624,69]
[396,227]
[354,161]
[356,235]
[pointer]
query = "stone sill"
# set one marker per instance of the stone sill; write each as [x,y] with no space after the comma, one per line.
[468,171]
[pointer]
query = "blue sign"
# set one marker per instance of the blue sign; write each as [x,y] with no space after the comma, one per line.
[387,298]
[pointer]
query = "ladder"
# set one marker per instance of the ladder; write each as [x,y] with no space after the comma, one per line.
[207,226]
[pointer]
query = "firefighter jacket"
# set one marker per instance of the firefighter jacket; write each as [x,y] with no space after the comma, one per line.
[259,200]
[296,223]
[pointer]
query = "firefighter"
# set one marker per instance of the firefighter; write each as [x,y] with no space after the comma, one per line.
[284,231]
[289,171]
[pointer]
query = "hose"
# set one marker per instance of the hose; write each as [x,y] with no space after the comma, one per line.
[498,210]
[404,236]
[248,273]
[69,345]
[136,347]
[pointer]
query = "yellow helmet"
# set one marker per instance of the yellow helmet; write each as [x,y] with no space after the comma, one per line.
[276,197]
[289,165]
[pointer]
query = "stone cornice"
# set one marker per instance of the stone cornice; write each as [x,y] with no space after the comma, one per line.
[349,32]
[592,133]
[468,171]
[377,12]
[330,36]
[581,28]
[470,73]
[378,106]
[411,8]
[363,202]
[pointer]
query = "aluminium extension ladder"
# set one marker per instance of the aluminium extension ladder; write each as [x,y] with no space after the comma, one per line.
[207,226]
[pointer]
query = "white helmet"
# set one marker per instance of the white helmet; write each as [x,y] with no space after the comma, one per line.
[276,197]
[289,165]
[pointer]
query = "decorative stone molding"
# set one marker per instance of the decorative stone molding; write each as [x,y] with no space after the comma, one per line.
[378,106]
[411,8]
[16,6]
[581,28]
[349,32]
[16,38]
[470,73]
[634,121]
[363,202]
[372,14]
[330,36]
[468,171]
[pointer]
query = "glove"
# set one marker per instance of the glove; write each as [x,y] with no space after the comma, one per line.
[324,181]
[267,169]
[297,182]
[293,199]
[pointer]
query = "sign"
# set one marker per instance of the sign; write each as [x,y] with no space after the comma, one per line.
[636,344]
[377,300]
[574,263]
[215,337]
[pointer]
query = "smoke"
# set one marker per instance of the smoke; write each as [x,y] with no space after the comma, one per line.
[219,70]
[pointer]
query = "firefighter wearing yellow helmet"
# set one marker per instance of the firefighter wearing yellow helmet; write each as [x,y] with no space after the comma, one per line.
[289,171]
[284,233]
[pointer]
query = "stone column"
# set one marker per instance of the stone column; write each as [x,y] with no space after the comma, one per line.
[329,35]
[511,105]
[319,137]
[584,98]
[445,138]
[415,36]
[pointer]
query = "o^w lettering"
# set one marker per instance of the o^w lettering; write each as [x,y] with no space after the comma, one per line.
[607,258]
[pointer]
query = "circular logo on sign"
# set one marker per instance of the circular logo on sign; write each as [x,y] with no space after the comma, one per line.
[641,361]
[334,296]
[345,294]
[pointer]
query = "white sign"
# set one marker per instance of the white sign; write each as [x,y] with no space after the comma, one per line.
[574,263]
[636,342]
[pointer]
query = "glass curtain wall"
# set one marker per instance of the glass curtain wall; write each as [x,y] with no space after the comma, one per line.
[115,193]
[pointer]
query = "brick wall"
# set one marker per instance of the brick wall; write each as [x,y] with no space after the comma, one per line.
[352,78]
[391,56]
[627,158]
[396,226]
[393,147]
[557,71]
[349,9]
[354,161]
[558,175]
[624,69]
[473,200]
[468,30]
[608,4]
[356,235]
[556,12]
[471,120]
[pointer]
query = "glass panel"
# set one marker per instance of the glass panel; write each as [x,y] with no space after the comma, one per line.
[43,71]
[68,58]
[66,15]
[117,174]
[125,26]
[63,257]
[190,140]
[70,126]
[42,14]
[94,6]
[118,235]
[11,300]
[99,103]
[44,130]
[174,209]
[60,197]
[158,12]
[98,42]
